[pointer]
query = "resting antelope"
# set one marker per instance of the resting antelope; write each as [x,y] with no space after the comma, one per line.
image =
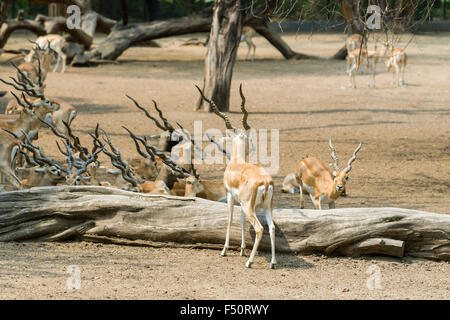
[28,121]
[55,42]
[322,184]
[397,62]
[247,36]
[371,57]
[128,174]
[66,113]
[249,185]
[37,71]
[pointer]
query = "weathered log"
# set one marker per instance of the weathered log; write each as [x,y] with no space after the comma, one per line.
[56,25]
[11,25]
[121,39]
[55,213]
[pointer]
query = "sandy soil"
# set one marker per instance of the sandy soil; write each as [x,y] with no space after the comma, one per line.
[404,162]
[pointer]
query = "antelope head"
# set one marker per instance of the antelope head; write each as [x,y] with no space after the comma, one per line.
[240,138]
[340,177]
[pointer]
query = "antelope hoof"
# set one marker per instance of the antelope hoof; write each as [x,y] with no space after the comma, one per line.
[248,264]
[272,265]
[242,252]
[224,252]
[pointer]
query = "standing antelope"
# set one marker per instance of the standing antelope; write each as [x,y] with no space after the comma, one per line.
[249,185]
[55,42]
[371,57]
[247,36]
[397,61]
[322,184]
[352,43]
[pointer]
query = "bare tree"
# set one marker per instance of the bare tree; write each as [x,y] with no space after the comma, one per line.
[224,39]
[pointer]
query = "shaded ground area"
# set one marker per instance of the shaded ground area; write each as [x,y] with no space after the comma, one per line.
[404,162]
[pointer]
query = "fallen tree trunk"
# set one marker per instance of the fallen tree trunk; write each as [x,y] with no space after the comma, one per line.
[58,213]
[122,38]
[11,25]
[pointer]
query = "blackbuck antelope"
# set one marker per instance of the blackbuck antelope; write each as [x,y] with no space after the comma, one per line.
[397,62]
[27,122]
[154,187]
[37,70]
[40,170]
[247,36]
[371,58]
[290,184]
[66,112]
[9,148]
[353,42]
[321,183]
[56,43]
[249,185]
[82,167]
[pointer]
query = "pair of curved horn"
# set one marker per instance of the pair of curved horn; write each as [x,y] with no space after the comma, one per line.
[223,115]
[352,159]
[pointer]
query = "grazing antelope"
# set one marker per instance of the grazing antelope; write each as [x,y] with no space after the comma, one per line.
[247,36]
[397,62]
[249,185]
[290,184]
[322,184]
[56,43]
[371,57]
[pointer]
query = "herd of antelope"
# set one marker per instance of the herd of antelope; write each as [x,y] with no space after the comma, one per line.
[155,171]
[395,59]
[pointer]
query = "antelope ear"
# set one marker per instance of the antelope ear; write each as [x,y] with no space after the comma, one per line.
[334,174]
[86,178]
[39,170]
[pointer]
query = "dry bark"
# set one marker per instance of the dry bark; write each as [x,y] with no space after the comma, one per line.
[224,40]
[58,213]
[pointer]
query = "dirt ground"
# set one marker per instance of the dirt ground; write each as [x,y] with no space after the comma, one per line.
[404,162]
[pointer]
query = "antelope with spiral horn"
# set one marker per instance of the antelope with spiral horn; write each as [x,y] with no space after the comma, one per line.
[321,183]
[248,184]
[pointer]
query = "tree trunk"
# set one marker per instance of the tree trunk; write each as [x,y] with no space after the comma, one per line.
[3,10]
[59,213]
[224,40]
[350,10]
